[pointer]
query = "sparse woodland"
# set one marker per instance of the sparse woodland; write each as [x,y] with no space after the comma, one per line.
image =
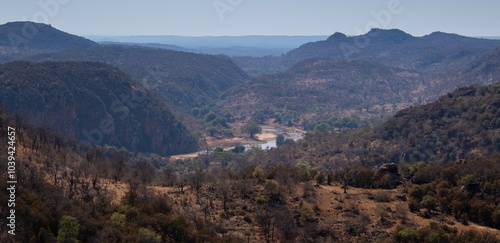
[288,194]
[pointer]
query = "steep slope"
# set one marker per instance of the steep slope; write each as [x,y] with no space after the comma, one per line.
[329,87]
[94,104]
[18,39]
[186,80]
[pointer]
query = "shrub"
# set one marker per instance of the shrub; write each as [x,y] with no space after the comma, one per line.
[306,213]
[407,235]
[68,229]
[429,203]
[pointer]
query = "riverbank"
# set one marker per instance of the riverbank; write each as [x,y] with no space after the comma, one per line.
[265,140]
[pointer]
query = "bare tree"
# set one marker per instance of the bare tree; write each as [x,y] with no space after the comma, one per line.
[224,189]
[196,180]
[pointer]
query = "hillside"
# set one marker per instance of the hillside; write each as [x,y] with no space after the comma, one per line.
[20,39]
[108,194]
[93,103]
[185,80]
[464,124]
[325,87]
[485,68]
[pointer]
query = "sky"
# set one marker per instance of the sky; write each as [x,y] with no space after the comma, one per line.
[256,17]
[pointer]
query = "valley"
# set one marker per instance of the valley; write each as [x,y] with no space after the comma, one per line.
[134,141]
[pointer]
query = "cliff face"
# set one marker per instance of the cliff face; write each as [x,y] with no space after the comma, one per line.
[93,103]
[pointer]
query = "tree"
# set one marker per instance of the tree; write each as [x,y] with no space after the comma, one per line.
[252,128]
[280,140]
[68,229]
[196,180]
[238,149]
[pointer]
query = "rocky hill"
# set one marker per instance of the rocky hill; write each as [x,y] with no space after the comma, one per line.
[93,103]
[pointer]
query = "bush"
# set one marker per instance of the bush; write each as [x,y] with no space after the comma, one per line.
[306,213]
[68,229]
[429,203]
[238,149]
[407,235]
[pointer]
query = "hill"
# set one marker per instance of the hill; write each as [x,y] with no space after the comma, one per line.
[438,53]
[326,87]
[94,104]
[464,124]
[184,80]
[19,39]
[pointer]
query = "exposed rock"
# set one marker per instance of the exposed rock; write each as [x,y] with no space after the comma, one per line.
[387,176]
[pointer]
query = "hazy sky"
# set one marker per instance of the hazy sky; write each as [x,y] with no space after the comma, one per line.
[257,17]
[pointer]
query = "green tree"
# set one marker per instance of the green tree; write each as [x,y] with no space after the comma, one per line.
[210,117]
[68,229]
[238,149]
[212,130]
[407,235]
[252,128]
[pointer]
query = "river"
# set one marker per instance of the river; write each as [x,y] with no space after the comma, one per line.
[267,139]
[288,133]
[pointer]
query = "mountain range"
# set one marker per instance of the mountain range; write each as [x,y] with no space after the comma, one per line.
[438,52]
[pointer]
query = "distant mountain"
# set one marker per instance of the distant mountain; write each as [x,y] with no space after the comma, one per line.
[153,45]
[93,103]
[319,87]
[214,42]
[19,39]
[232,51]
[185,80]
[438,53]
[233,46]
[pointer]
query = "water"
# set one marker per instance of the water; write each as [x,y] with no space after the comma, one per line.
[272,143]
